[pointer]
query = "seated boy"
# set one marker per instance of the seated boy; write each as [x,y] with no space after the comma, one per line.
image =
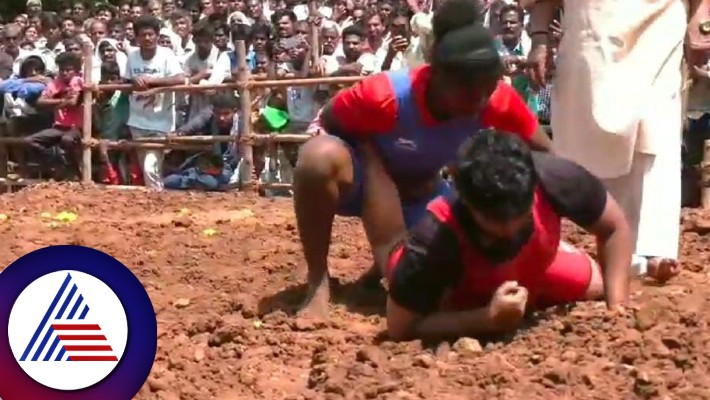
[484,256]
[210,170]
[63,94]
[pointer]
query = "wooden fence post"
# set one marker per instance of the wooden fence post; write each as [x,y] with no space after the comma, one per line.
[247,150]
[88,96]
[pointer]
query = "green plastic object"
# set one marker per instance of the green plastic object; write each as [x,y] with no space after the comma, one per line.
[276,119]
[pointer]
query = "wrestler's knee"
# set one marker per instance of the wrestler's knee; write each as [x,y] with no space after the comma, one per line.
[324,157]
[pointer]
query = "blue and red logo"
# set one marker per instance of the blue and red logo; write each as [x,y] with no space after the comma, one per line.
[79,326]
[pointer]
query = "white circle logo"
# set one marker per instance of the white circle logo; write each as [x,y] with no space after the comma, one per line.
[68,330]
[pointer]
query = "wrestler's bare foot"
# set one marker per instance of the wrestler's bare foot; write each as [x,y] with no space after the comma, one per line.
[662,269]
[317,301]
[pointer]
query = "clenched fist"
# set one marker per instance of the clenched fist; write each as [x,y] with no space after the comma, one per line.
[507,307]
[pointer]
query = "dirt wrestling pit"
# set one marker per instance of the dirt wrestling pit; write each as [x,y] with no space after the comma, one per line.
[225,271]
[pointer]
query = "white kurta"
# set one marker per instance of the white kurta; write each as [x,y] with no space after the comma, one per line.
[616,108]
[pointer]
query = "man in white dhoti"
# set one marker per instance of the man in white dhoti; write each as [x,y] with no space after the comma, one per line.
[616,107]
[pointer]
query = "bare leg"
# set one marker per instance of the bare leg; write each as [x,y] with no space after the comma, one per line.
[382,211]
[595,291]
[324,170]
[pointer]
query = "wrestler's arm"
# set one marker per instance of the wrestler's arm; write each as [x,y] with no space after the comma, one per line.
[578,195]
[506,111]
[615,248]
[361,111]
[422,270]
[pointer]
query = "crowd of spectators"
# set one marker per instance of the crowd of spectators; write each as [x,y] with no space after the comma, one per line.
[159,43]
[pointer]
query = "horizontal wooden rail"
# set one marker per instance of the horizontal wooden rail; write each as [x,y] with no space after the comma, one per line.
[177,142]
[251,84]
[20,182]
[209,139]
[275,186]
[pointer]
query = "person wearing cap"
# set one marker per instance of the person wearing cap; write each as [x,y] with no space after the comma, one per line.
[481,258]
[417,118]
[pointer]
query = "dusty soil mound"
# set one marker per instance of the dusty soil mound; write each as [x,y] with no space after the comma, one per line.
[222,299]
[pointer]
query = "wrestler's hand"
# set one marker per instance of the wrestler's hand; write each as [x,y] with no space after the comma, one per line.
[507,307]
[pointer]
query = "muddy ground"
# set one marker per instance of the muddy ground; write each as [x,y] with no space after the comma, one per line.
[223,305]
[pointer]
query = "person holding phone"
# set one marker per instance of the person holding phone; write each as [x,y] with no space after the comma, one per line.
[404,50]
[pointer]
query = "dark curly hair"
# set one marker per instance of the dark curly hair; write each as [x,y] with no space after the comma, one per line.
[495,175]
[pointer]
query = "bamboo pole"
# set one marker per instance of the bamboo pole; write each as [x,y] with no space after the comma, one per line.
[7,182]
[202,139]
[705,176]
[278,138]
[4,160]
[275,186]
[86,125]
[175,143]
[254,138]
[247,151]
[124,187]
[242,84]
[130,144]
[315,33]
[12,140]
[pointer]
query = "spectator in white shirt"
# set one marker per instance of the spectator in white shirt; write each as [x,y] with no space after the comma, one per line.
[182,26]
[205,66]
[108,50]
[375,25]
[403,50]
[152,114]
[342,13]
[355,60]
[97,32]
